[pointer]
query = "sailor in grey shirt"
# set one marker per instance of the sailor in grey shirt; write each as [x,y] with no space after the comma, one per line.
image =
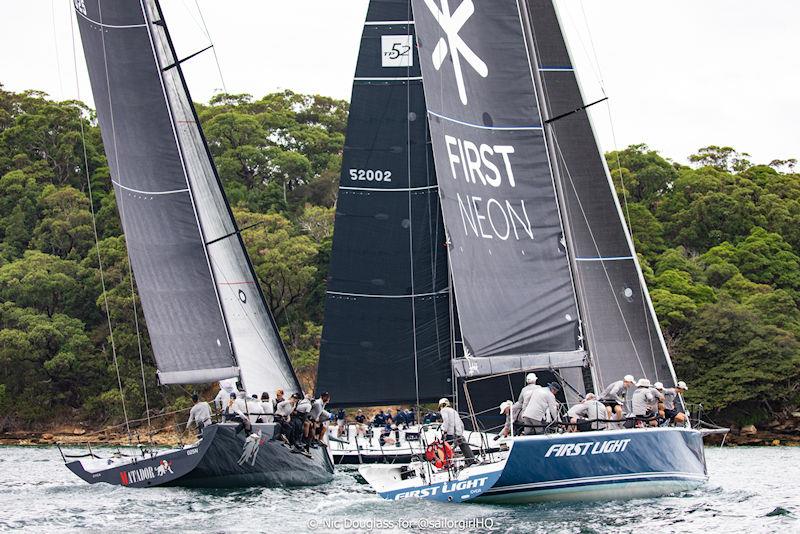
[453,429]
[200,414]
[615,396]
[643,399]
[590,409]
[527,391]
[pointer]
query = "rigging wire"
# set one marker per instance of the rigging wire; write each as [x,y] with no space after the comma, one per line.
[213,46]
[55,45]
[94,218]
[410,218]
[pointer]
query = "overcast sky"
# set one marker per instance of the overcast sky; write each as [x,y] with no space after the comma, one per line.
[680,74]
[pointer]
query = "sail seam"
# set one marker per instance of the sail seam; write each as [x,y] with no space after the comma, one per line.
[386,78]
[367,295]
[606,258]
[112,26]
[395,189]
[132,190]
[484,127]
[387,22]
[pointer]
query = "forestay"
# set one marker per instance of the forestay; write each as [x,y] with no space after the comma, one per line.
[387,331]
[200,298]
[511,272]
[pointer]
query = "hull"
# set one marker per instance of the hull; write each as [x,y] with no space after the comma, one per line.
[221,459]
[617,464]
[419,481]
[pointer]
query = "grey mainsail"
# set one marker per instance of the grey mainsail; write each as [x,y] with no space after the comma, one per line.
[497,73]
[621,325]
[510,268]
[204,310]
[387,331]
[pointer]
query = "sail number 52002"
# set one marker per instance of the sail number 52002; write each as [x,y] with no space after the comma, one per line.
[370,175]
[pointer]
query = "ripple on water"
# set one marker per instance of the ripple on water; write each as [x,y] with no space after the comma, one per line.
[751,490]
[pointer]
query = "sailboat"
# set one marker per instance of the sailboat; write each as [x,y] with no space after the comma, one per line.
[388,334]
[205,312]
[544,271]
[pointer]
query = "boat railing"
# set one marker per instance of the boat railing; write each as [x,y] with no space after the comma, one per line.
[143,447]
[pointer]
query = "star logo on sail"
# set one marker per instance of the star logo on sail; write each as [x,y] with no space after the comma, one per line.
[451,24]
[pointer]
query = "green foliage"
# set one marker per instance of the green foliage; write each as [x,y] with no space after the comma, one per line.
[719,245]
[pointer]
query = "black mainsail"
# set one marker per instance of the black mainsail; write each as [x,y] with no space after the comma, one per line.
[536,229]
[387,331]
[204,310]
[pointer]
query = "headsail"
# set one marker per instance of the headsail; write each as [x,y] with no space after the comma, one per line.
[386,337]
[510,267]
[201,301]
[621,325]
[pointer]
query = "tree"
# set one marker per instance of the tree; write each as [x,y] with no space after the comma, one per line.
[65,225]
[723,158]
[49,284]
[18,206]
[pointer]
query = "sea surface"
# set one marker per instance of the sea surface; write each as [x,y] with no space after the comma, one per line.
[751,490]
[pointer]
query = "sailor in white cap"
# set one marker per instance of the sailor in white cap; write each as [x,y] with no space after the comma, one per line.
[658,400]
[453,430]
[507,408]
[614,396]
[527,391]
[642,402]
[674,411]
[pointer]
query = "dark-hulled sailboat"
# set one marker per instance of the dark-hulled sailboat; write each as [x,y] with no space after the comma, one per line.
[388,332]
[205,312]
[544,271]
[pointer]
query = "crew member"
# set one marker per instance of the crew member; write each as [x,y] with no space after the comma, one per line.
[658,403]
[527,391]
[642,402]
[542,409]
[614,397]
[254,409]
[283,416]
[268,408]
[226,387]
[318,417]
[453,429]
[589,414]
[672,410]
[507,409]
[301,421]
[200,414]
[361,420]
[278,398]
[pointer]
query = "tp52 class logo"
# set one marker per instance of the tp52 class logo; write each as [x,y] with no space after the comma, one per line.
[451,24]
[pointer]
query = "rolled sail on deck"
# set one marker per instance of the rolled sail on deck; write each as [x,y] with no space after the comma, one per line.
[386,337]
[510,267]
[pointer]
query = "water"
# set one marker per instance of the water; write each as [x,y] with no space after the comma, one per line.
[751,490]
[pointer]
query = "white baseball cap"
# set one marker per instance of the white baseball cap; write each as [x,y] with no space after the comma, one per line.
[658,385]
[590,396]
[629,378]
[504,405]
[643,383]
[444,401]
[682,385]
[530,378]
